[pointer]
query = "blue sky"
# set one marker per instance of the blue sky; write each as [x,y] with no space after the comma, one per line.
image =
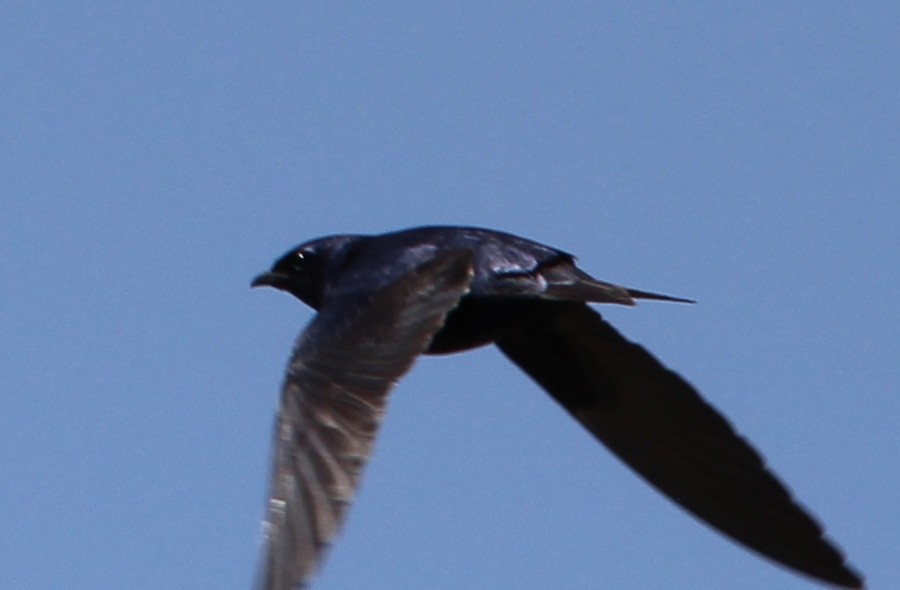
[153,159]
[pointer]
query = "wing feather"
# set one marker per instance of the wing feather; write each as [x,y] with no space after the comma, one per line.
[659,426]
[332,402]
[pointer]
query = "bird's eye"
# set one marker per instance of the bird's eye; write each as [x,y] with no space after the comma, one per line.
[302,260]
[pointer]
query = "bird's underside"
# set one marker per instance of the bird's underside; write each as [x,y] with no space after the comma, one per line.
[383,300]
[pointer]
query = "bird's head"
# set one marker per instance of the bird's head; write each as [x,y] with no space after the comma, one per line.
[303,271]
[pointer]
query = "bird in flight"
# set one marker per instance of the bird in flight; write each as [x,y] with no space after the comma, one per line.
[383,300]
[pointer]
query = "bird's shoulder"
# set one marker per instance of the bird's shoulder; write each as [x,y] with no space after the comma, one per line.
[502,261]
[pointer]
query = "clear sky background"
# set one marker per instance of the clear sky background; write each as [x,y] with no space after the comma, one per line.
[154,158]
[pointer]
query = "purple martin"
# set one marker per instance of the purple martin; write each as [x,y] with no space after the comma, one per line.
[382,300]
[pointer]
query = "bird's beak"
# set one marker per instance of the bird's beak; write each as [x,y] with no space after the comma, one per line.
[269,279]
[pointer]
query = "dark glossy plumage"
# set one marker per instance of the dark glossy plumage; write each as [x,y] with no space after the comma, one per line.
[383,300]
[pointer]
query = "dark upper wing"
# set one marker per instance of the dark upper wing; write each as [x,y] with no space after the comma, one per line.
[658,424]
[332,401]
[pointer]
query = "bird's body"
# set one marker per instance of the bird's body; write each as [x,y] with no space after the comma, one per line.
[383,300]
